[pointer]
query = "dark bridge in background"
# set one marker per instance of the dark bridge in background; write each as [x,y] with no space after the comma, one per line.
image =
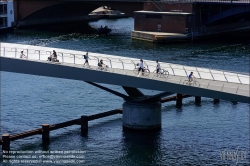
[52,11]
[228,13]
[207,12]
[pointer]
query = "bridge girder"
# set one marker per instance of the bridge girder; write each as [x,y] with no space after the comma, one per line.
[134,94]
[220,13]
[27,10]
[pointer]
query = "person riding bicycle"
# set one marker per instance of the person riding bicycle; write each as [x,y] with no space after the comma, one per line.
[22,55]
[101,64]
[158,67]
[190,77]
[53,57]
[141,67]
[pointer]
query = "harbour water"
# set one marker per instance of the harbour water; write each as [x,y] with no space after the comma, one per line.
[205,134]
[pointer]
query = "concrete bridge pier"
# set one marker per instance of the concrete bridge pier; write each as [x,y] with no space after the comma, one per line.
[142,116]
[140,112]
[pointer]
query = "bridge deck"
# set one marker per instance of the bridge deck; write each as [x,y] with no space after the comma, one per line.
[212,83]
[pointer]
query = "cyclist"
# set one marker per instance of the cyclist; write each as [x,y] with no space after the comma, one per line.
[190,77]
[53,57]
[158,67]
[141,67]
[102,65]
[22,55]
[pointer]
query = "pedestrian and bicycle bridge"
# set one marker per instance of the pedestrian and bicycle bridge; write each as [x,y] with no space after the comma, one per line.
[139,111]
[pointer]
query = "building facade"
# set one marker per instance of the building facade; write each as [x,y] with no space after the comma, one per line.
[6,14]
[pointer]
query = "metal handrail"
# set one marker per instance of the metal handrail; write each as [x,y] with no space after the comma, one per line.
[48,52]
[110,62]
[180,80]
[133,62]
[74,58]
[122,64]
[15,51]
[38,54]
[179,68]
[225,76]
[61,54]
[172,69]
[198,72]
[239,78]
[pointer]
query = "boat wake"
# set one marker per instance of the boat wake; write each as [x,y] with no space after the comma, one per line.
[57,39]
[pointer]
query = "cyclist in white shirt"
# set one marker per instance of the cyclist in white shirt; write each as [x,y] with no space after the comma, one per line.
[22,55]
[141,67]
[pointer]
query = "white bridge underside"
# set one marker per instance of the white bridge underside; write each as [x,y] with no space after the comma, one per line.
[213,83]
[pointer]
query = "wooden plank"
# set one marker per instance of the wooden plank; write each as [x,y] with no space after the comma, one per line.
[63,124]
[173,98]
[104,114]
[25,134]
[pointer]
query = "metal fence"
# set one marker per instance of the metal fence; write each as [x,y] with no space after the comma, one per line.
[237,83]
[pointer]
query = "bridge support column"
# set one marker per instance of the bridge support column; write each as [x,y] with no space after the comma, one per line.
[216,101]
[197,99]
[84,125]
[178,100]
[6,143]
[142,116]
[45,133]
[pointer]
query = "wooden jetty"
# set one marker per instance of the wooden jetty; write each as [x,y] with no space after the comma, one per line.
[83,122]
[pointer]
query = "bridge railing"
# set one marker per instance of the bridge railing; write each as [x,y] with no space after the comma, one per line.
[116,64]
[211,85]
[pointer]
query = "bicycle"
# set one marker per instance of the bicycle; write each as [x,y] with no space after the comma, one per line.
[146,71]
[193,82]
[161,73]
[103,68]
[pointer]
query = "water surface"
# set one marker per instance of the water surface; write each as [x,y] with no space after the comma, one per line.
[191,135]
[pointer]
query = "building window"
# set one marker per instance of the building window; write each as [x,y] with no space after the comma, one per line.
[159,27]
[3,9]
[3,22]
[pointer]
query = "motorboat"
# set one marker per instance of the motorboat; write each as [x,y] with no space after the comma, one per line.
[104,30]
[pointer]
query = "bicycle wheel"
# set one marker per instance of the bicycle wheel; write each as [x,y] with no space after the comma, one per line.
[146,72]
[155,73]
[165,73]
[186,82]
[136,71]
[196,83]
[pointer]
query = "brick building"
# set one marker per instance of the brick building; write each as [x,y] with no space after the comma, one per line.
[171,22]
